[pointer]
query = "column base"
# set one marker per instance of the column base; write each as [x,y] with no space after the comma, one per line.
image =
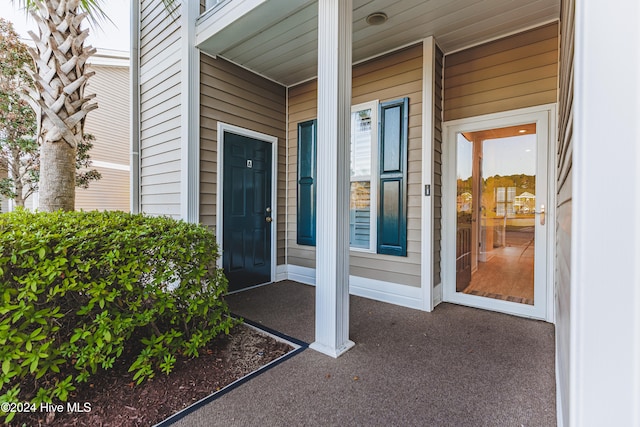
[330,351]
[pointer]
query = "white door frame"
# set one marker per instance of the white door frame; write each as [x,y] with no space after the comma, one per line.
[225,127]
[545,118]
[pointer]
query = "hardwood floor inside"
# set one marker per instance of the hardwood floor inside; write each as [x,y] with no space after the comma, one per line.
[508,272]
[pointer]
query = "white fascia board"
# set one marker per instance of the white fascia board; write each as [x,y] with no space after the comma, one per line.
[240,19]
[110,57]
[214,22]
[110,165]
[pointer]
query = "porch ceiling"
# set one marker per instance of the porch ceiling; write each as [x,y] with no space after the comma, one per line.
[278,38]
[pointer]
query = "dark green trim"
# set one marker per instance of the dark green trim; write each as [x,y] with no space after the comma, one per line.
[392,190]
[306,206]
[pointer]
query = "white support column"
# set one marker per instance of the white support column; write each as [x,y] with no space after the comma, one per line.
[428,102]
[190,115]
[605,243]
[332,231]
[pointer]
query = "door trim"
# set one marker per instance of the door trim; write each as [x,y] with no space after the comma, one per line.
[225,127]
[531,114]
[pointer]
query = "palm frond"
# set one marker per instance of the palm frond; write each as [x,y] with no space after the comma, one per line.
[93,8]
[95,14]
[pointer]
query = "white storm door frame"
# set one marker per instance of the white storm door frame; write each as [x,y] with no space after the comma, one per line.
[544,117]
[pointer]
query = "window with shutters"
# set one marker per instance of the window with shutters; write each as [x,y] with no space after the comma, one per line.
[378,178]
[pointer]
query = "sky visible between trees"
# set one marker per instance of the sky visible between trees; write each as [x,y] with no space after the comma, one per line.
[109,36]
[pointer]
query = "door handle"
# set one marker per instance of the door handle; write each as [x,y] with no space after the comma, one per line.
[542,215]
[268,219]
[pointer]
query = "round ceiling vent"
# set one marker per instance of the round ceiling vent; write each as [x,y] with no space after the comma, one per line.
[377,18]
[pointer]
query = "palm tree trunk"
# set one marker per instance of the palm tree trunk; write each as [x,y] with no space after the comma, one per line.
[57,187]
[58,98]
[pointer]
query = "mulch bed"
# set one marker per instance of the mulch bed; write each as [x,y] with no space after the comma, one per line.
[114,400]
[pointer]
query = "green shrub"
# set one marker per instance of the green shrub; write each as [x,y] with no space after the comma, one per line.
[75,287]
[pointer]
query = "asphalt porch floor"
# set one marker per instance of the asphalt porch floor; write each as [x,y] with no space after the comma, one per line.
[456,366]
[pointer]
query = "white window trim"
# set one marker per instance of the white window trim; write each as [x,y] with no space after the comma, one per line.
[373,183]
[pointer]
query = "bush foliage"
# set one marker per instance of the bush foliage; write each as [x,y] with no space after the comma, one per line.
[75,287]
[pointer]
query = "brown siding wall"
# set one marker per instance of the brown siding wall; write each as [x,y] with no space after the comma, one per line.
[394,76]
[303,106]
[563,199]
[515,72]
[238,97]
[437,168]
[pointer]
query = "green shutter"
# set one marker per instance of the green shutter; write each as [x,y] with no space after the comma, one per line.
[306,215]
[392,190]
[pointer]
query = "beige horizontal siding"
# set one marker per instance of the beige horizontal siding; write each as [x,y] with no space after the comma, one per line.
[514,72]
[388,78]
[235,96]
[303,103]
[110,124]
[109,193]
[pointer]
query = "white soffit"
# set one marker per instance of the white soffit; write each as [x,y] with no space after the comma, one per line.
[278,38]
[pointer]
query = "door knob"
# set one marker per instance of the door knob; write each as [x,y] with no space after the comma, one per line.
[268,219]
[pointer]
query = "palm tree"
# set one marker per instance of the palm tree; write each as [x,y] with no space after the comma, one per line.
[58,96]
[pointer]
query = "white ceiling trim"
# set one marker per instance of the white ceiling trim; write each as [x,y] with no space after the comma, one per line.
[277,39]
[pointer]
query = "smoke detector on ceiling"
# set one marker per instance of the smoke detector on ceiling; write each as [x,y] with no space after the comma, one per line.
[377,18]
